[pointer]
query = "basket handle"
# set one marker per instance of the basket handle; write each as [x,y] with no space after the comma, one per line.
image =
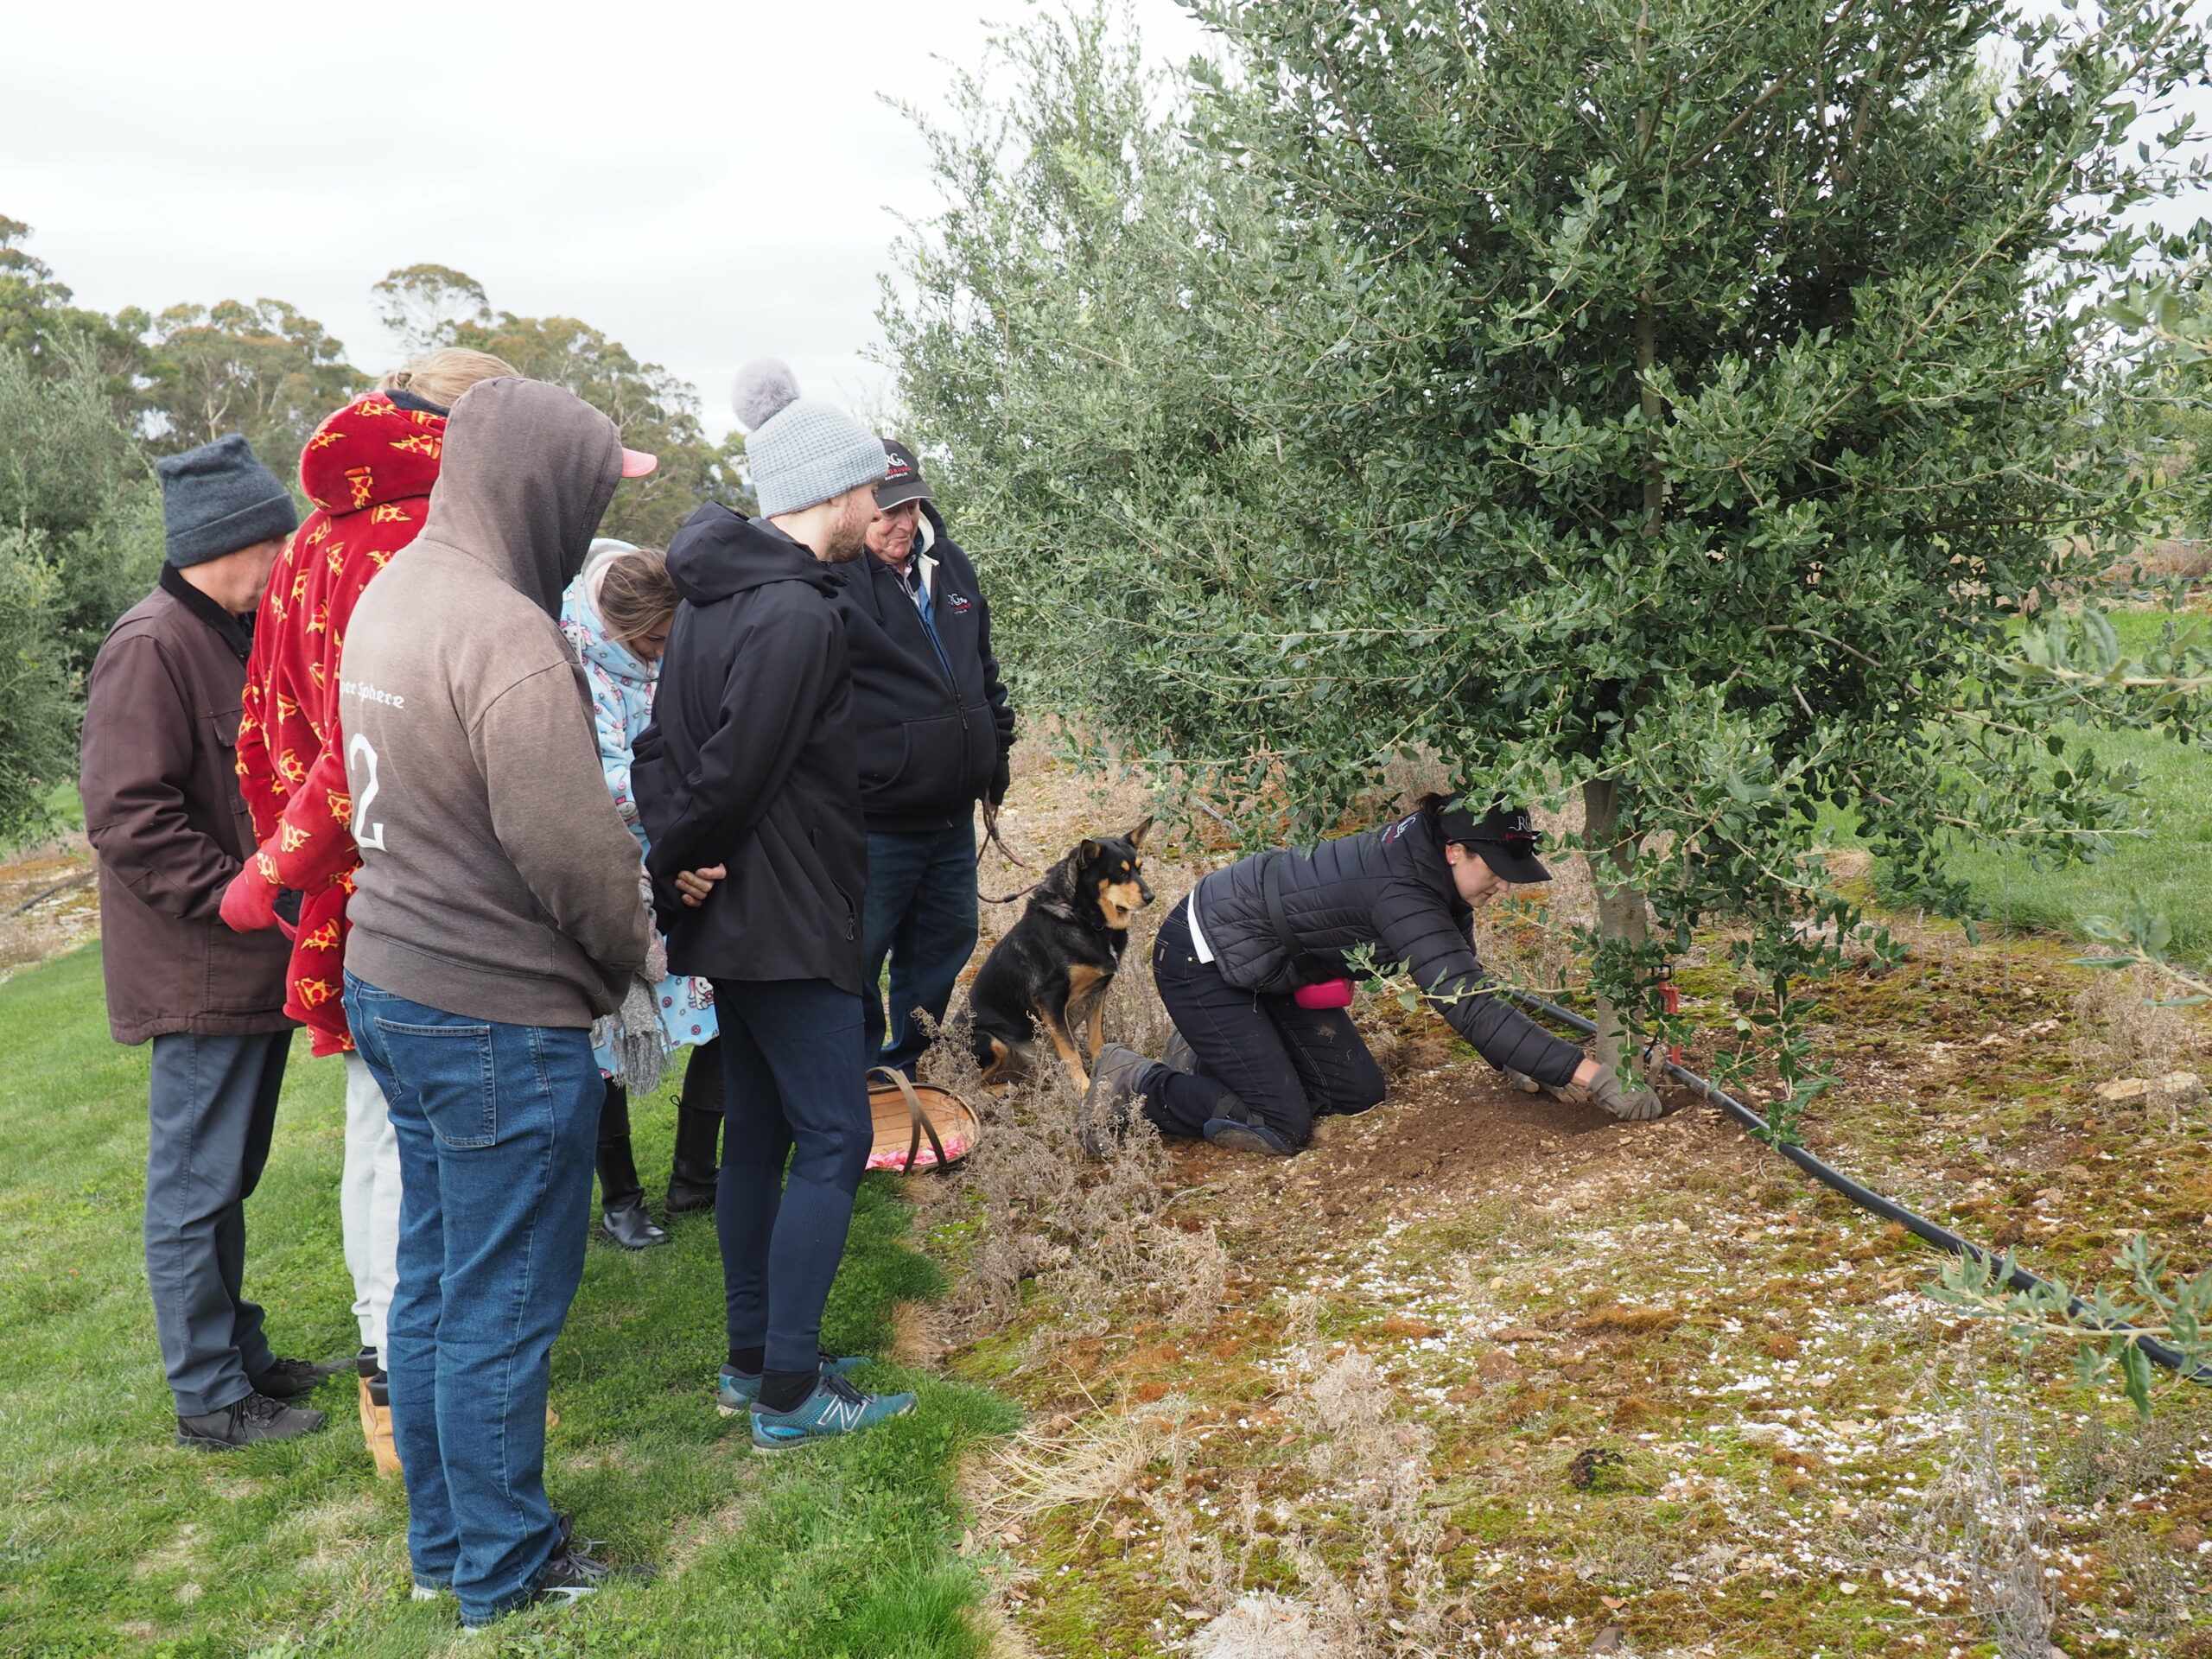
[921,1119]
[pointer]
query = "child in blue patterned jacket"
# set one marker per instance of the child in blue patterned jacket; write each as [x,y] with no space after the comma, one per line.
[616,614]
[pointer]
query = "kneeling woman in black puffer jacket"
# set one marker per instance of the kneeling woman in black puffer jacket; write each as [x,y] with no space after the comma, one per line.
[1249,964]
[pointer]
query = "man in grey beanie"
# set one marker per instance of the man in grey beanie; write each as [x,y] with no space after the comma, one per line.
[162,808]
[749,784]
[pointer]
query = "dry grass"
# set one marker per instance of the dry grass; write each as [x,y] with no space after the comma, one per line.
[2120,1030]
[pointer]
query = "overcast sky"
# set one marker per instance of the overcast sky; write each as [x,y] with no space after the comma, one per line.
[705,182]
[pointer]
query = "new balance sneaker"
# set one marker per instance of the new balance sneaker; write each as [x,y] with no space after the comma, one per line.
[835,1408]
[736,1391]
[246,1423]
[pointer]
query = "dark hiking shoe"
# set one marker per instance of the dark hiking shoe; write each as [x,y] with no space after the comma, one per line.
[628,1225]
[428,1587]
[288,1379]
[689,1190]
[364,1364]
[568,1576]
[246,1423]
[1239,1128]
[1178,1056]
[1118,1080]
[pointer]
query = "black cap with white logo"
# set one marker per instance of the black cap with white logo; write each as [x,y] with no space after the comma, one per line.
[902,477]
[1505,837]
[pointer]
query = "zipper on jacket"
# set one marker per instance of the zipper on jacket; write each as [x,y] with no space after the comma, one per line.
[944,662]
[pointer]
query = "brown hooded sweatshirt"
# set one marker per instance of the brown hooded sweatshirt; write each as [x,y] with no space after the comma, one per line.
[497,880]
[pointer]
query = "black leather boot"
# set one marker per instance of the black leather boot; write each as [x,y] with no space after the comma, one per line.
[628,1225]
[621,1194]
[691,1185]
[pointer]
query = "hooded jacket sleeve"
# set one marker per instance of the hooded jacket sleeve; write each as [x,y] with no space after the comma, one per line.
[552,817]
[1413,928]
[779,669]
[136,767]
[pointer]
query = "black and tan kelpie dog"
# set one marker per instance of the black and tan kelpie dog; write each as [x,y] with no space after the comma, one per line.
[1054,967]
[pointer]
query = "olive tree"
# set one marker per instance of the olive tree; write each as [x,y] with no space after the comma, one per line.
[1670,402]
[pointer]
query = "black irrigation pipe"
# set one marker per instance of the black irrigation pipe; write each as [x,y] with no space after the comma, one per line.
[1865,1197]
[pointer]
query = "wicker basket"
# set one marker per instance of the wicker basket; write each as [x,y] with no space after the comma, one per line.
[918,1126]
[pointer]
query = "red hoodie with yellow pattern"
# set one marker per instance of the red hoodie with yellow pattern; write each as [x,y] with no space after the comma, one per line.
[368,470]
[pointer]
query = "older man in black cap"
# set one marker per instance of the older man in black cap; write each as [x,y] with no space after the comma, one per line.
[163,810]
[935,731]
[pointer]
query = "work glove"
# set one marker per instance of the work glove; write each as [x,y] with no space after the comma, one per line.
[249,902]
[1630,1106]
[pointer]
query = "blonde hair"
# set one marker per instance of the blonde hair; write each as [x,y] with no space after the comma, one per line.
[636,598]
[442,376]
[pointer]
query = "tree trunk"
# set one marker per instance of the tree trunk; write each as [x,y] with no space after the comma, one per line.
[1622,912]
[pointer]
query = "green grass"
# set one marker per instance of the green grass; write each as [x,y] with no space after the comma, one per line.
[114,1541]
[2170,864]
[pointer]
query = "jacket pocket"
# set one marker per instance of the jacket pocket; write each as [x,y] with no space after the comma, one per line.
[933,767]
[223,760]
[882,750]
[246,972]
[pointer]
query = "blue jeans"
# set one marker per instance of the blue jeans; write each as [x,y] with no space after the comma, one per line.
[496,1125]
[792,1095]
[920,912]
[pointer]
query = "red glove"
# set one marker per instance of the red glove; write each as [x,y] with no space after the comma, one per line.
[249,902]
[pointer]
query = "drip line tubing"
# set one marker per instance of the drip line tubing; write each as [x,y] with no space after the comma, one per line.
[1865,1198]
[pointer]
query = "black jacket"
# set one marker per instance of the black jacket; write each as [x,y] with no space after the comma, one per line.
[933,725]
[748,761]
[1389,887]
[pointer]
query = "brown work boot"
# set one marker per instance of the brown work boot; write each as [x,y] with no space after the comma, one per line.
[376,1424]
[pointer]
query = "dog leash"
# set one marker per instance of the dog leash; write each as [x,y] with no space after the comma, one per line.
[991,837]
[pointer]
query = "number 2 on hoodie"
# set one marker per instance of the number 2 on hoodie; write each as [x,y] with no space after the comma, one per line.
[365,833]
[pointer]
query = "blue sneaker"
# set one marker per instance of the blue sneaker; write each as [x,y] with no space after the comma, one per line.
[736,1391]
[835,1408]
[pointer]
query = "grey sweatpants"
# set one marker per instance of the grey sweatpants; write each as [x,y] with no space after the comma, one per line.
[213,1107]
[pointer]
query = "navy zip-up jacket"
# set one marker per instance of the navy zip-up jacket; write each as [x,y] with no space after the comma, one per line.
[929,717]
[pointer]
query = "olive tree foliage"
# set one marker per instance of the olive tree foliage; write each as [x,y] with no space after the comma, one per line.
[1667,401]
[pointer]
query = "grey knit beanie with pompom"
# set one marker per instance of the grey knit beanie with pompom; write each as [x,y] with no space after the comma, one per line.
[802,452]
